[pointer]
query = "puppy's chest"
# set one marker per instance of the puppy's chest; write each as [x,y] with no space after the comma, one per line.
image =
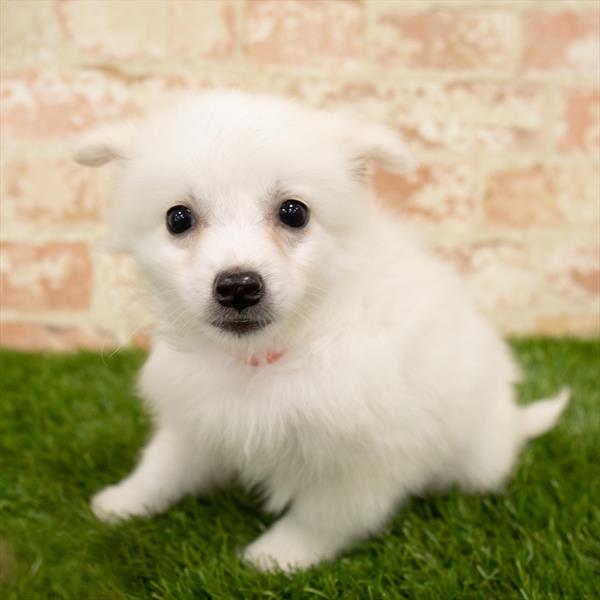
[255,429]
[271,414]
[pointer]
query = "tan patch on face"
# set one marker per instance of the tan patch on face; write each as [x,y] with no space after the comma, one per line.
[191,242]
[276,235]
[285,238]
[190,238]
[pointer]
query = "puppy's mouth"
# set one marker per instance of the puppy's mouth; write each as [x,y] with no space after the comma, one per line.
[240,327]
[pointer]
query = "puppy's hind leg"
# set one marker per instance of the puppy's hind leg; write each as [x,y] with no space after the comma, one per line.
[487,466]
[169,469]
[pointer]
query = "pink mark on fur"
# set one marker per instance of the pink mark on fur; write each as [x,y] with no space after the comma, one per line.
[271,358]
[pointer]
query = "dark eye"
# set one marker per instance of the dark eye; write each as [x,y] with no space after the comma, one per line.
[179,219]
[293,213]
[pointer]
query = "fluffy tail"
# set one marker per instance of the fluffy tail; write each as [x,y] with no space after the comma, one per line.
[539,417]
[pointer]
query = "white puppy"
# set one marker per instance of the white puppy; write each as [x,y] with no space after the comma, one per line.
[306,344]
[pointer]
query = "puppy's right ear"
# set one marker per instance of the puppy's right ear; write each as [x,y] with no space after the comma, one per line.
[105,144]
[98,147]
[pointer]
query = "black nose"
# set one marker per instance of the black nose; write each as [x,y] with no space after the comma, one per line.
[238,290]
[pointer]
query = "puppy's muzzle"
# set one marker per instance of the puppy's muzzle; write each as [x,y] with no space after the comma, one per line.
[238,290]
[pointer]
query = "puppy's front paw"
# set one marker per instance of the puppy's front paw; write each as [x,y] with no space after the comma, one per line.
[279,549]
[116,503]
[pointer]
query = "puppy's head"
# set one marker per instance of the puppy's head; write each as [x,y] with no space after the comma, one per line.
[238,206]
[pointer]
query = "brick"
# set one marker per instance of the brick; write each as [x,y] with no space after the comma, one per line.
[587,325]
[433,193]
[579,126]
[51,192]
[320,33]
[45,104]
[53,276]
[564,41]
[121,304]
[459,117]
[35,336]
[168,29]
[574,271]
[578,192]
[472,117]
[142,339]
[544,195]
[500,274]
[522,198]
[212,34]
[29,33]
[446,39]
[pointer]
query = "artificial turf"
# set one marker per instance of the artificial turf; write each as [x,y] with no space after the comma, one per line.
[70,424]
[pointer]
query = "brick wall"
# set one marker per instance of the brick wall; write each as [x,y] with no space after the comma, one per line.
[498,99]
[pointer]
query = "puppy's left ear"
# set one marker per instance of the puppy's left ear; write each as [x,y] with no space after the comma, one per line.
[374,143]
[105,144]
[385,147]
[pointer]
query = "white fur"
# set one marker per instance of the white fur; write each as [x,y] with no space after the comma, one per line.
[391,382]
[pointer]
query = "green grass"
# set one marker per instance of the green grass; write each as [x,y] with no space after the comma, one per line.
[69,424]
